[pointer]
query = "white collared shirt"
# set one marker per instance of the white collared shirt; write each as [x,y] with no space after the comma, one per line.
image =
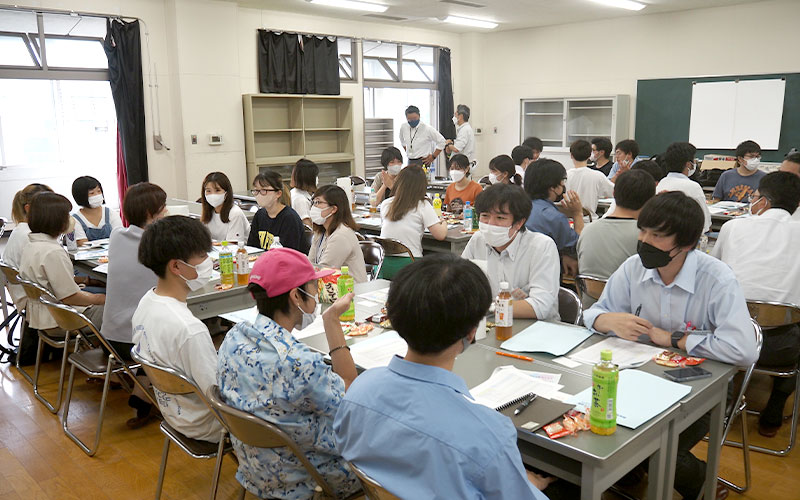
[591,185]
[420,141]
[465,140]
[675,181]
[761,251]
[530,263]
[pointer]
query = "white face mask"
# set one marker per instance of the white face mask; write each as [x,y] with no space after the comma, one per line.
[457,175]
[394,169]
[692,170]
[593,156]
[752,204]
[495,236]
[308,318]
[455,120]
[215,200]
[492,178]
[752,164]
[316,216]
[95,201]
[204,271]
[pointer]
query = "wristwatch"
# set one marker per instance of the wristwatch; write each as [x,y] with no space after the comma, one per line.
[676,336]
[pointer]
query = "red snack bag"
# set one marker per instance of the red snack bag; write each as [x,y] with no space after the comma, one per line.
[581,420]
[556,430]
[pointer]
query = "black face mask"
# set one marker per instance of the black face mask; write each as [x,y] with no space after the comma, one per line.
[560,197]
[651,256]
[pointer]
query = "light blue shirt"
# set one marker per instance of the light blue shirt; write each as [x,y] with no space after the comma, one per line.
[262,369]
[705,293]
[415,429]
[615,168]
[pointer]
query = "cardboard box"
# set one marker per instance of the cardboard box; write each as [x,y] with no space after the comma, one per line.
[720,162]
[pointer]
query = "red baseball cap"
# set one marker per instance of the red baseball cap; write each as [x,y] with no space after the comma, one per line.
[279,270]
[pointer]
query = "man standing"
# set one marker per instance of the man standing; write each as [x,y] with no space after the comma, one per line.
[465,136]
[421,142]
[590,184]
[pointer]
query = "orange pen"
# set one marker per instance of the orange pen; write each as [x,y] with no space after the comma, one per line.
[515,356]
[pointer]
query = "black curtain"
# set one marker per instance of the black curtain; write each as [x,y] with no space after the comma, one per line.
[292,64]
[445,87]
[124,51]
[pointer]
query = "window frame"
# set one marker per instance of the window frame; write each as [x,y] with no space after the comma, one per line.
[397,80]
[353,67]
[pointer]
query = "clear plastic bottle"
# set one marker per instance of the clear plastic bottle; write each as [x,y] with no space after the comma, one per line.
[437,204]
[603,413]
[276,242]
[373,200]
[242,265]
[345,285]
[503,312]
[467,218]
[226,265]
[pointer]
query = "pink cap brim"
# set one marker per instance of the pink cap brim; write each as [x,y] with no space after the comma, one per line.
[323,273]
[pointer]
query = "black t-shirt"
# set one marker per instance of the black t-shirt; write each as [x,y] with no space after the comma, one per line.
[287,225]
[606,169]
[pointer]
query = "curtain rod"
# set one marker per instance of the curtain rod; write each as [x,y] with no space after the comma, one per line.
[355,38]
[68,12]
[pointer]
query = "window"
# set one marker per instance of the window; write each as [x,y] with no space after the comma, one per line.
[418,63]
[347,66]
[382,62]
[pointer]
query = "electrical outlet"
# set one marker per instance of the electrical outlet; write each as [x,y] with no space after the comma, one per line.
[194,139]
[478,131]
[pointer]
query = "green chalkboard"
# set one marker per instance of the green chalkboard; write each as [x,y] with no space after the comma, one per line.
[663,108]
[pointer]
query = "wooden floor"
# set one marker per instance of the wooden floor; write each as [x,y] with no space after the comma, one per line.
[38,461]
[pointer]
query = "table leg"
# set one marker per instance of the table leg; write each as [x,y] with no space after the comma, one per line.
[589,485]
[658,468]
[715,444]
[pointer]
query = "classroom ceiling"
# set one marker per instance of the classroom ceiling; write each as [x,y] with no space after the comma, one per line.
[510,14]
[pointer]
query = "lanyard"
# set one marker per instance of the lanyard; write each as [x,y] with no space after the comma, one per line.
[319,248]
[411,145]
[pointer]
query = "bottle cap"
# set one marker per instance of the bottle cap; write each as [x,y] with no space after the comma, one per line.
[345,269]
[437,195]
[224,243]
[605,355]
[467,204]
[503,285]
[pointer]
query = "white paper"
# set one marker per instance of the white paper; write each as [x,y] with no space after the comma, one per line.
[759,112]
[91,254]
[713,115]
[551,378]
[506,384]
[102,268]
[377,296]
[379,350]
[566,362]
[625,353]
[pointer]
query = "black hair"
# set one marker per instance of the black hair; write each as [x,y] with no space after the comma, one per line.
[49,213]
[222,181]
[335,196]
[504,163]
[581,150]
[81,187]
[459,160]
[504,198]
[747,147]
[463,110]
[421,298]
[652,168]
[782,189]
[542,175]
[534,143]
[389,155]
[604,145]
[677,155]
[412,109]
[175,237]
[304,175]
[793,158]
[272,179]
[143,201]
[633,189]
[520,153]
[628,146]
[268,306]
[673,213]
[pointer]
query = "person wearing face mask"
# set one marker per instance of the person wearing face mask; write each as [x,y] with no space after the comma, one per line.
[166,332]
[502,170]
[527,260]
[335,243]
[304,184]
[677,297]
[551,205]
[601,154]
[95,221]
[625,155]
[421,142]
[264,370]
[680,163]
[738,184]
[758,250]
[274,218]
[465,137]
[224,219]
[522,156]
[392,162]
[414,417]
[462,189]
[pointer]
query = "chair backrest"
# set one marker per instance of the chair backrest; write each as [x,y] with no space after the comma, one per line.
[392,246]
[484,180]
[773,314]
[373,257]
[308,234]
[10,272]
[590,285]
[357,180]
[372,488]
[35,290]
[3,223]
[360,237]
[569,306]
[587,213]
[258,433]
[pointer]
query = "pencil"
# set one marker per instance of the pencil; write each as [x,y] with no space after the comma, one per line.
[515,356]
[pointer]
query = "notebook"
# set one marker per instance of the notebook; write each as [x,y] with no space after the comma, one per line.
[542,336]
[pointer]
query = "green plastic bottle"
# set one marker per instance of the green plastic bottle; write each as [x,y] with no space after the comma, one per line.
[605,378]
[345,285]
[226,265]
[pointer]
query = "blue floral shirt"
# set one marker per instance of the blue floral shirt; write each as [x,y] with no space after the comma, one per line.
[264,370]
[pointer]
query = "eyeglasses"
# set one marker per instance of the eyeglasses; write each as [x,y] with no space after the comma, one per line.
[320,203]
[263,191]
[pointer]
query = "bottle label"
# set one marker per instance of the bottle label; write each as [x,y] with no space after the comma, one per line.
[603,412]
[242,264]
[226,263]
[503,313]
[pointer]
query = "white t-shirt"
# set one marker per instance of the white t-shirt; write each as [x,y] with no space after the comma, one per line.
[591,185]
[675,181]
[166,332]
[237,228]
[410,228]
[12,255]
[465,140]
[113,216]
[301,203]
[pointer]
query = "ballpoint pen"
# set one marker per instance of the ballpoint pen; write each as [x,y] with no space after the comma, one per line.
[524,405]
[638,310]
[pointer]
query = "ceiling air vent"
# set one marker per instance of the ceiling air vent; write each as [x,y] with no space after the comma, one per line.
[465,3]
[387,17]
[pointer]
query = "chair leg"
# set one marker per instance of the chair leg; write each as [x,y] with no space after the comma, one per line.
[745,457]
[218,465]
[52,407]
[242,493]
[792,430]
[163,468]
[89,451]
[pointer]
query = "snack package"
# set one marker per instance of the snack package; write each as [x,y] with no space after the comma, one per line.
[572,423]
[356,329]
[673,359]
[328,288]
[556,430]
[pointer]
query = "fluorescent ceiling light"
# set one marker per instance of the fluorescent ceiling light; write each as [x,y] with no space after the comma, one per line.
[352,4]
[465,21]
[622,4]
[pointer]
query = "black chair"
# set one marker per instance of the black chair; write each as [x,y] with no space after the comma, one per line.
[569,306]
[357,180]
[373,258]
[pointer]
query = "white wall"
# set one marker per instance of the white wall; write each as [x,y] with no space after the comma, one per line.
[608,57]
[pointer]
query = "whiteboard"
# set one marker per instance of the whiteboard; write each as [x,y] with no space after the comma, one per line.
[727,113]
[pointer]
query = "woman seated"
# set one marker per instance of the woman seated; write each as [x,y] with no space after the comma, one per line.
[264,370]
[95,221]
[406,215]
[274,221]
[502,169]
[224,219]
[335,243]
[383,183]
[463,189]
[304,184]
